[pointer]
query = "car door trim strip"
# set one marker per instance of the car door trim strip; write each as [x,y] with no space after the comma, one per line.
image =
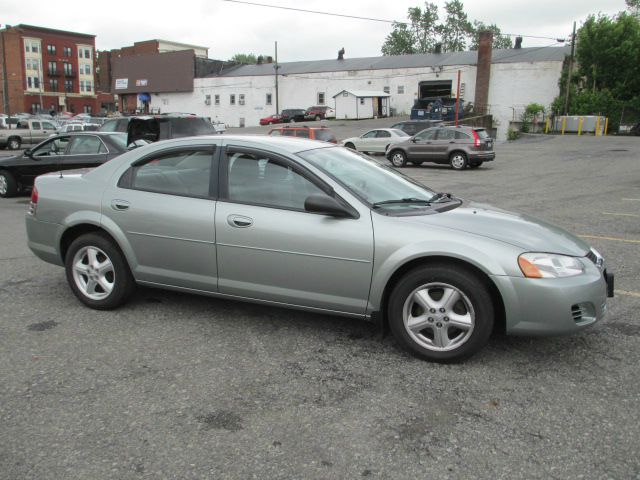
[356,260]
[172,238]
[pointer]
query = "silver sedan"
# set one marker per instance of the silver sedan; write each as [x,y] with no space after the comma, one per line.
[376,141]
[302,224]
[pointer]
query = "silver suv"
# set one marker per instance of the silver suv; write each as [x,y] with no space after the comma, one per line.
[460,147]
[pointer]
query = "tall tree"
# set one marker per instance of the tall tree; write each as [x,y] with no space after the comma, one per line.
[418,35]
[499,41]
[456,29]
[247,58]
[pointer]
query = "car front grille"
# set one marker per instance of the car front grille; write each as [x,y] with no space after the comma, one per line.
[577,313]
[592,256]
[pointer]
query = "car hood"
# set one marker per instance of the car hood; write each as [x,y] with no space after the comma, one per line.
[523,231]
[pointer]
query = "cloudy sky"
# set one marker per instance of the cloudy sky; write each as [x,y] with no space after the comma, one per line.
[228,28]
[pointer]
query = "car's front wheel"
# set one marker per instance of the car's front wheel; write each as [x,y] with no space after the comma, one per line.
[97,272]
[398,159]
[350,145]
[441,312]
[14,143]
[8,185]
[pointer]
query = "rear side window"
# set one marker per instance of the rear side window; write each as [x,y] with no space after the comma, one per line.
[446,134]
[186,173]
[302,133]
[462,136]
[482,133]
[86,145]
[190,126]
[275,133]
[383,134]
[288,133]
[325,136]
[109,126]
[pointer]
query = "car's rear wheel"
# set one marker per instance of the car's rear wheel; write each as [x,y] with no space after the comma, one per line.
[8,185]
[270,123]
[317,117]
[14,143]
[398,159]
[350,145]
[97,272]
[442,312]
[458,161]
[475,165]
[292,120]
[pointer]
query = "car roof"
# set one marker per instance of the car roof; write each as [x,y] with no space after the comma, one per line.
[287,144]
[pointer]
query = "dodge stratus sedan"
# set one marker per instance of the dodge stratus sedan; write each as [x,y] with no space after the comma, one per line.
[295,223]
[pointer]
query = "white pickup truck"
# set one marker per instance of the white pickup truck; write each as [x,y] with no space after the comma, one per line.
[26,132]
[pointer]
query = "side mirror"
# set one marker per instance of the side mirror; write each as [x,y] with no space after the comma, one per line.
[321,203]
[28,153]
[413,140]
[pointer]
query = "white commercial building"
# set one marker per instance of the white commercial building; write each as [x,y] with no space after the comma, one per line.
[241,95]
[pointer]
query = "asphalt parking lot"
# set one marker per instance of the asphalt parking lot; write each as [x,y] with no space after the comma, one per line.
[180,386]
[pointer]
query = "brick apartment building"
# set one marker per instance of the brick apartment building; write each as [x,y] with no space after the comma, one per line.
[43,69]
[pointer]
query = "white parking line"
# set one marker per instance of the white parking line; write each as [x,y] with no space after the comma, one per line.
[628,294]
[621,214]
[631,199]
[614,239]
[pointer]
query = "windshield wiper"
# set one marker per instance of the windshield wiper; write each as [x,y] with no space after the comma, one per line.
[439,197]
[402,200]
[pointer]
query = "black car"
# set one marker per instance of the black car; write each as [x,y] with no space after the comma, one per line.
[60,152]
[115,125]
[414,126]
[292,115]
[153,128]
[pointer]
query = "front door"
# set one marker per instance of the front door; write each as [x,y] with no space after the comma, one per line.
[270,248]
[421,148]
[165,205]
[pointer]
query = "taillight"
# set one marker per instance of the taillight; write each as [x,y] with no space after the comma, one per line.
[34,201]
[476,139]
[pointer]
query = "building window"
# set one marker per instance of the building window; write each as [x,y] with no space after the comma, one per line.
[232,99]
[89,86]
[320,98]
[68,86]
[216,99]
[207,99]
[66,51]
[35,107]
[51,49]
[362,101]
[53,84]
[268,99]
[29,82]
[87,108]
[68,68]
[400,89]
[87,53]
[81,83]
[387,89]
[53,68]
[241,99]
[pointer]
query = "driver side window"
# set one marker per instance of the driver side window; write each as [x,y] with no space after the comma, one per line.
[426,135]
[370,134]
[56,146]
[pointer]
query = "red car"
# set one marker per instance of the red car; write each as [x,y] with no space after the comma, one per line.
[271,119]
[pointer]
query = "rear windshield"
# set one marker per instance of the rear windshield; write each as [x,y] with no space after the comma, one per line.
[482,133]
[191,126]
[325,136]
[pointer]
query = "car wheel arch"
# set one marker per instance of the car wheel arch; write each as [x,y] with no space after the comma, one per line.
[425,261]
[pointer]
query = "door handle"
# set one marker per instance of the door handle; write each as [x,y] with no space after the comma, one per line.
[120,205]
[452,141]
[239,221]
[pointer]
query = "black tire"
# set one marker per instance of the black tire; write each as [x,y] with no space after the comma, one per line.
[293,120]
[14,143]
[317,117]
[458,161]
[270,123]
[123,284]
[398,158]
[472,291]
[475,165]
[3,147]
[350,145]
[8,185]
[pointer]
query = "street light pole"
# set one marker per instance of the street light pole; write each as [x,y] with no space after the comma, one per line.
[568,86]
[5,79]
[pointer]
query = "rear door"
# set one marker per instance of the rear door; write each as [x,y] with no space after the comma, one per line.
[165,205]
[85,151]
[383,138]
[445,142]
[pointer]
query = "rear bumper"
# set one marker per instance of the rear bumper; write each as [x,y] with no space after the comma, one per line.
[42,240]
[481,156]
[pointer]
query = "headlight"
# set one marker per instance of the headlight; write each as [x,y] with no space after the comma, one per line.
[548,265]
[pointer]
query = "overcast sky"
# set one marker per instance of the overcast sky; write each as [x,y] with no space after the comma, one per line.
[228,28]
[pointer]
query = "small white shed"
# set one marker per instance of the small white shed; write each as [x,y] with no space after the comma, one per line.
[359,104]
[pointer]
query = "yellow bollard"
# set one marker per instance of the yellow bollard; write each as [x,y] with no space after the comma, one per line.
[598,126]
[564,124]
[606,125]
[546,126]
[580,122]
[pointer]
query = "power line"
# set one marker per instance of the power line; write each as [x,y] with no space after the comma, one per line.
[313,11]
[381,20]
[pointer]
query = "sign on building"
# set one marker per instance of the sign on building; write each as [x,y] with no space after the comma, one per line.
[122,83]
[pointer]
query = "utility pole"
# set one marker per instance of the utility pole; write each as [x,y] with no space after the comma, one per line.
[573,47]
[458,99]
[5,80]
[276,67]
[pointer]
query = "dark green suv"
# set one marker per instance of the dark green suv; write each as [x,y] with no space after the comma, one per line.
[460,147]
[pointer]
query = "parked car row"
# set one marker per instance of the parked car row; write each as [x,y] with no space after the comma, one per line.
[292,115]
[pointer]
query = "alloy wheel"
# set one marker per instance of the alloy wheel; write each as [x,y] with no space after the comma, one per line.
[3,185]
[93,273]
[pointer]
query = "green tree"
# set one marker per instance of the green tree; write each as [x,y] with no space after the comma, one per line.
[247,58]
[634,7]
[499,41]
[456,29]
[422,32]
[418,35]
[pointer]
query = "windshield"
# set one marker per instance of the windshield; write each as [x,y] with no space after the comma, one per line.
[191,126]
[120,139]
[372,182]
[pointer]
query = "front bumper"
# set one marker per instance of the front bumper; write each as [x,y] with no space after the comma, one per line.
[553,306]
